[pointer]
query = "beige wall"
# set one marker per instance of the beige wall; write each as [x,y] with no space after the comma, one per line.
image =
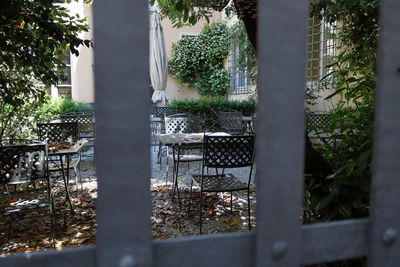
[175,90]
[82,67]
[82,74]
[252,94]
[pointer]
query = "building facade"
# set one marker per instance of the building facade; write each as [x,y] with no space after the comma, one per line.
[321,48]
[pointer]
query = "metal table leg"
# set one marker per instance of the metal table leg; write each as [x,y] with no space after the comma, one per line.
[66,179]
[175,175]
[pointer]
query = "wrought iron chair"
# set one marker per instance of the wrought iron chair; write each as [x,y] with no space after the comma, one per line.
[85,124]
[182,123]
[317,129]
[153,107]
[58,132]
[61,132]
[225,152]
[159,128]
[86,129]
[253,125]
[231,122]
[164,111]
[23,164]
[318,120]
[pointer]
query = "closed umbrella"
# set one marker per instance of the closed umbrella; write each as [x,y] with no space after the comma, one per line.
[158,60]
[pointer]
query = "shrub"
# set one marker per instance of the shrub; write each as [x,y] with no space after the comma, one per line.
[346,192]
[51,108]
[198,61]
[20,121]
[69,106]
[209,107]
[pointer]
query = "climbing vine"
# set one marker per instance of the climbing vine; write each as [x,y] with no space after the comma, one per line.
[198,61]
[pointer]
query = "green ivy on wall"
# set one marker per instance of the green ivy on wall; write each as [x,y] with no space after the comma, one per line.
[198,61]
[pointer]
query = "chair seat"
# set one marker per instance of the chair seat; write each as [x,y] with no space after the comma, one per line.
[86,136]
[187,158]
[220,183]
[22,202]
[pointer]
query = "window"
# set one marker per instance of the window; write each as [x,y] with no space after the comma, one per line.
[239,75]
[65,84]
[321,50]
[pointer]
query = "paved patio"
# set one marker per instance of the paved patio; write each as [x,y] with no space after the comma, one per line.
[167,220]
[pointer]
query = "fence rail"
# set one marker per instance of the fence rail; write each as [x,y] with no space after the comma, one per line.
[124,205]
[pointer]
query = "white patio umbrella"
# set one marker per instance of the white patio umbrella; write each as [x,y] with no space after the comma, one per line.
[158,60]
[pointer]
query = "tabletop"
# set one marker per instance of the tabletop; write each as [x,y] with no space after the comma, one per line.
[74,149]
[155,119]
[247,118]
[185,138]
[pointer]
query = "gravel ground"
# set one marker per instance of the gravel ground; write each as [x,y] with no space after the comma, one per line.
[169,220]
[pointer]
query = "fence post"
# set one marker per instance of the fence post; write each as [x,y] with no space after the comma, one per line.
[385,219]
[282,60]
[122,129]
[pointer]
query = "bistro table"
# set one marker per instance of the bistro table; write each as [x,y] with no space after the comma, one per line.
[74,149]
[155,127]
[249,121]
[179,142]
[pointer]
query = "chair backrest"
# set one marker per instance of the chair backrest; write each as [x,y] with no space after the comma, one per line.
[231,121]
[318,120]
[153,108]
[160,111]
[181,124]
[228,151]
[85,121]
[58,132]
[23,163]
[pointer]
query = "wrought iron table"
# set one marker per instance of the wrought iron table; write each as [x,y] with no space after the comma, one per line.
[180,142]
[249,121]
[61,153]
[155,125]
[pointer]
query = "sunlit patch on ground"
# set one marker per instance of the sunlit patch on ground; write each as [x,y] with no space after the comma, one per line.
[32,231]
[168,220]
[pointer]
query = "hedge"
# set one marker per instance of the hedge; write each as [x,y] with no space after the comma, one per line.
[207,108]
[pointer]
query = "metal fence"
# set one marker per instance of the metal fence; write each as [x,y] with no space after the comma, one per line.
[124,204]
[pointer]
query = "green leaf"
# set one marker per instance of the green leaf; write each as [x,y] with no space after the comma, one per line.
[192,19]
[324,203]
[364,160]
[335,93]
[179,6]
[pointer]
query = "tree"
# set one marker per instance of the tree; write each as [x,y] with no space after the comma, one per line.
[188,12]
[34,35]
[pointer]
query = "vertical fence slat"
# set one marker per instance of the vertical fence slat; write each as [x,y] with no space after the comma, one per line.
[385,219]
[122,141]
[281,50]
